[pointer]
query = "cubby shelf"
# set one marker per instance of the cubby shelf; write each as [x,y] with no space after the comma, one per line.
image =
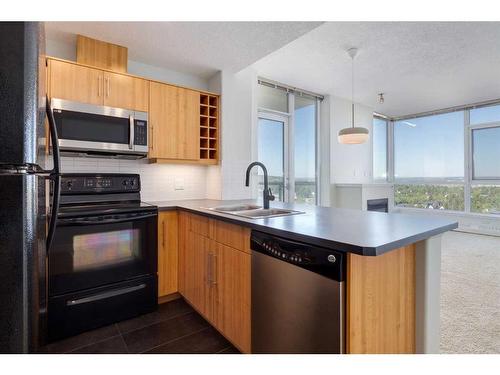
[209,128]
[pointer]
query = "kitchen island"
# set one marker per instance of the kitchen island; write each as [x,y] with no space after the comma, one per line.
[392,271]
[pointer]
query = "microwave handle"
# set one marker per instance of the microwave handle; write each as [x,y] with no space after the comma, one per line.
[132,135]
[108,221]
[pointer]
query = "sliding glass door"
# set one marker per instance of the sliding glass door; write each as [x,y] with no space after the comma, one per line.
[272,132]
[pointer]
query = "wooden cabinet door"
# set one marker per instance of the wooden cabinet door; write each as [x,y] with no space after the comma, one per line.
[174,122]
[195,272]
[167,252]
[232,300]
[127,92]
[74,82]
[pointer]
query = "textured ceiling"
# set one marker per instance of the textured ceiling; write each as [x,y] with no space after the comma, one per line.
[199,48]
[420,66]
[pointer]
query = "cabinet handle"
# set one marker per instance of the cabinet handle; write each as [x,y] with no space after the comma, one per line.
[151,138]
[214,273]
[164,235]
[209,269]
[99,86]
[108,87]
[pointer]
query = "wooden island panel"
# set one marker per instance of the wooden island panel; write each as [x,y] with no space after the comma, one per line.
[381,302]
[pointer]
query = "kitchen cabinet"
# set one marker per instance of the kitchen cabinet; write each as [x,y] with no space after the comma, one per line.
[75,82]
[174,123]
[215,277]
[94,86]
[122,91]
[167,252]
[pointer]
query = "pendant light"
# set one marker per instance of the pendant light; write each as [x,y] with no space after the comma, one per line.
[353,135]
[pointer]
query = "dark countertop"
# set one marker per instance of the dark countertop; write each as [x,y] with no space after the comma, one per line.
[355,231]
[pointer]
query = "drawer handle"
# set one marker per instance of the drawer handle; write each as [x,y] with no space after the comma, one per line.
[112,293]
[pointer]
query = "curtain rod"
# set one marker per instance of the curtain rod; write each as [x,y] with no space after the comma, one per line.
[281,86]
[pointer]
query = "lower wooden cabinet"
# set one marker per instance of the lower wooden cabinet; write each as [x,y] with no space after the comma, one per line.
[167,252]
[215,277]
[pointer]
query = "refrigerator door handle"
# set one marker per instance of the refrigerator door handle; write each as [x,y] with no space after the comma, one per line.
[55,175]
[54,138]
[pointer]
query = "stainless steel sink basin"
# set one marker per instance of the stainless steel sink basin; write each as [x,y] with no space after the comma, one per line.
[254,212]
[235,207]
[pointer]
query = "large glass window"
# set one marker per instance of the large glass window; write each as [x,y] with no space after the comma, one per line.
[289,153]
[379,149]
[305,150]
[484,115]
[271,151]
[429,162]
[430,148]
[486,153]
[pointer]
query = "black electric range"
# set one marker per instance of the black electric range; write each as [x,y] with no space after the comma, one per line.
[103,257]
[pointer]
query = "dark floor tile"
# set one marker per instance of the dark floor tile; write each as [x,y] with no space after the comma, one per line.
[147,338]
[206,341]
[114,345]
[229,350]
[80,340]
[165,311]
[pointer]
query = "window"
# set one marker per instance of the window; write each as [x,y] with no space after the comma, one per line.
[379,149]
[429,162]
[486,153]
[271,151]
[305,150]
[289,153]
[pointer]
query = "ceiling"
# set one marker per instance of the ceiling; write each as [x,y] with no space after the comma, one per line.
[198,48]
[419,66]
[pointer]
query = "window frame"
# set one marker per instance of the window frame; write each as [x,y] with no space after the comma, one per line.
[289,146]
[469,181]
[387,140]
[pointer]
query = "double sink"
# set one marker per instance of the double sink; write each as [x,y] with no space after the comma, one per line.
[251,211]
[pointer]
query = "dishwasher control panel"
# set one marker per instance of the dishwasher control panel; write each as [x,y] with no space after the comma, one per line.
[327,262]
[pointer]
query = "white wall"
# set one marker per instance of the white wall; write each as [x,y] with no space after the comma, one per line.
[238,119]
[350,163]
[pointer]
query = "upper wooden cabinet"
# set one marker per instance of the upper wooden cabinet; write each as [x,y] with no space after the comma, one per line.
[75,82]
[174,122]
[123,91]
[94,86]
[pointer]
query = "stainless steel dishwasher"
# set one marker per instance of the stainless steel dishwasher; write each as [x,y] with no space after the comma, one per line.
[298,298]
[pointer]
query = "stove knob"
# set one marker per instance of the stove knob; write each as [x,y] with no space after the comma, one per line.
[331,258]
[125,182]
[132,182]
[69,184]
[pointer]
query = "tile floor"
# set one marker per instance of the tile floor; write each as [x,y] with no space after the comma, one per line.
[175,328]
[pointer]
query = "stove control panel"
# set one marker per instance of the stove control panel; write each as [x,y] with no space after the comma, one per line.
[100,183]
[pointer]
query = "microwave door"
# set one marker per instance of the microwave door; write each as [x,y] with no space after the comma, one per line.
[90,128]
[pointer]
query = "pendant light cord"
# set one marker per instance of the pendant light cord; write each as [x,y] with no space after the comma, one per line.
[352,89]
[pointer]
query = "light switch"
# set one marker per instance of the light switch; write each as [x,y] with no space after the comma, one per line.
[179,183]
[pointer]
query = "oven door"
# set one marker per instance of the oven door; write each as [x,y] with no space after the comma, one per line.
[88,252]
[92,128]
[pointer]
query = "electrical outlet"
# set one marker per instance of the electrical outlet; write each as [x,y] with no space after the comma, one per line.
[179,183]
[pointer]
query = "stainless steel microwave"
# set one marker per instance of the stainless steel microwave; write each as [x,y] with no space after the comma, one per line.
[100,131]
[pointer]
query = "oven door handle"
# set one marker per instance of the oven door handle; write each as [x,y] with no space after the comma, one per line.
[69,222]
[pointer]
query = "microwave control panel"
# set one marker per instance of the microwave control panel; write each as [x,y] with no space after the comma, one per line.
[140,133]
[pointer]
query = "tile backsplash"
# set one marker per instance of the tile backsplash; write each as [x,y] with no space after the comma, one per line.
[159,181]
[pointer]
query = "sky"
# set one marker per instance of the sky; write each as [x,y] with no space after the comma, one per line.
[433,146]
[271,144]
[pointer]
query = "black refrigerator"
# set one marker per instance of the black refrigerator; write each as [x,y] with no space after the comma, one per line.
[26,225]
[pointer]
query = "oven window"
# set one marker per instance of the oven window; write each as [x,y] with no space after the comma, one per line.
[80,126]
[96,250]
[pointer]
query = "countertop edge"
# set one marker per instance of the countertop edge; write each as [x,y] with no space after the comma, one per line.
[345,247]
